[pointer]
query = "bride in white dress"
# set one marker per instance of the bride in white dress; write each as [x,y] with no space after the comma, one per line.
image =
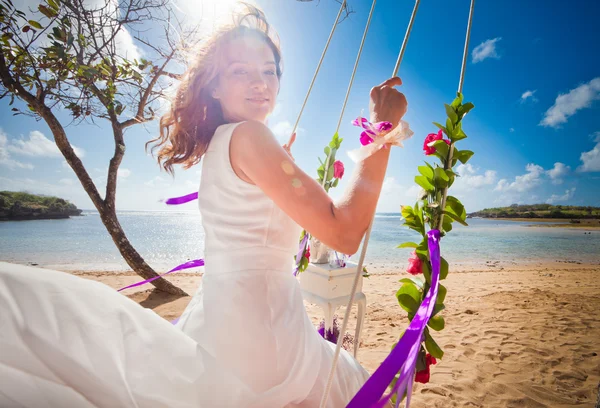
[245,339]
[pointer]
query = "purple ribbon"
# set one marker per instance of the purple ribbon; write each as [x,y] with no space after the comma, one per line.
[187,265]
[404,356]
[182,200]
[300,253]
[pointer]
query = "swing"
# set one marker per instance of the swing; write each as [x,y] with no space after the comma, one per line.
[403,357]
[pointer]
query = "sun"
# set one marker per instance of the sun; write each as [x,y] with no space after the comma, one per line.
[206,12]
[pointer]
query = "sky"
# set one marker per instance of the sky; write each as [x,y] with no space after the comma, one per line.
[532,72]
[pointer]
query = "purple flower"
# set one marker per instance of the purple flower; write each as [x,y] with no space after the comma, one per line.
[371,129]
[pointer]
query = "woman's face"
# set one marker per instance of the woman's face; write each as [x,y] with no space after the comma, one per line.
[248,82]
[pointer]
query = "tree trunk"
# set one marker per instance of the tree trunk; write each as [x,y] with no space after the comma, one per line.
[132,257]
[105,208]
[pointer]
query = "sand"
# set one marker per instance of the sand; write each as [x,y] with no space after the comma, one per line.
[515,336]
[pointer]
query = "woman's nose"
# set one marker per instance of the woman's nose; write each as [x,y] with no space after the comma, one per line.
[257,81]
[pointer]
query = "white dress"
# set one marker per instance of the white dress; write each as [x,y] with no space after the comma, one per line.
[244,340]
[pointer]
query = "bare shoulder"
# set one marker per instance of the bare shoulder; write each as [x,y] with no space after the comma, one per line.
[250,135]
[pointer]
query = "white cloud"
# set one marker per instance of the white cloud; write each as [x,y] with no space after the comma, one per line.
[568,104]
[529,95]
[157,182]
[38,145]
[511,130]
[591,160]
[6,160]
[557,173]
[283,130]
[470,180]
[486,49]
[66,181]
[123,173]
[565,197]
[524,182]
[393,195]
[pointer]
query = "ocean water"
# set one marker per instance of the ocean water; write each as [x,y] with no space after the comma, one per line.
[166,239]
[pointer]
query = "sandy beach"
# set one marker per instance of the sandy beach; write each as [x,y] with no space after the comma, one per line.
[515,336]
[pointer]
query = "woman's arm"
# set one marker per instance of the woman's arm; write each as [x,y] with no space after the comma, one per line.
[341,225]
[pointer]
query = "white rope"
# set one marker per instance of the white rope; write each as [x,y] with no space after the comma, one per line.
[362,43]
[366,239]
[460,87]
[318,68]
[337,128]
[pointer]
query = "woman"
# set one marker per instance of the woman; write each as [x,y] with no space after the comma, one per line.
[245,339]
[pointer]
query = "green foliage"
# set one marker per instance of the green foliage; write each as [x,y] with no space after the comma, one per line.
[540,211]
[435,210]
[19,205]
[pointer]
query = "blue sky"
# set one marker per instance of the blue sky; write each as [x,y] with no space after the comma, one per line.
[533,74]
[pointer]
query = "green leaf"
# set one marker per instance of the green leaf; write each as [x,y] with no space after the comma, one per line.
[458,135]
[321,172]
[335,182]
[432,347]
[447,224]
[414,280]
[426,171]
[464,109]
[438,307]
[47,11]
[455,218]
[437,323]
[426,271]
[443,269]
[441,147]
[457,101]
[327,150]
[53,4]
[454,205]
[441,127]
[441,294]
[423,182]
[409,297]
[441,178]
[451,113]
[463,156]
[330,173]
[35,24]
[407,245]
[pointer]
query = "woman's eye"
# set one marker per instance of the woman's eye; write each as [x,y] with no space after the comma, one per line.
[239,71]
[270,72]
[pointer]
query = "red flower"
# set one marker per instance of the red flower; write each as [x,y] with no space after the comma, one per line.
[307,252]
[338,169]
[423,375]
[415,265]
[432,137]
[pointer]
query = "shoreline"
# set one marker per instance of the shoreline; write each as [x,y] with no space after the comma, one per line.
[592,224]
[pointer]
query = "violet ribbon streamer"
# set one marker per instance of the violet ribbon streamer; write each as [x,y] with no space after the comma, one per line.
[190,264]
[182,200]
[404,356]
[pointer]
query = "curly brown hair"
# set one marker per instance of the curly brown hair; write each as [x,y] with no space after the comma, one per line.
[190,123]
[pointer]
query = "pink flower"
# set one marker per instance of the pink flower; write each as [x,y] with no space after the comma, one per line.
[423,375]
[371,129]
[338,169]
[432,137]
[307,253]
[415,265]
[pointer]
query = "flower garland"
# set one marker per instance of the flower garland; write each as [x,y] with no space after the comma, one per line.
[370,137]
[334,171]
[433,204]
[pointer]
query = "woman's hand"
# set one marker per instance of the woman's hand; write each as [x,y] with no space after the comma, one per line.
[387,103]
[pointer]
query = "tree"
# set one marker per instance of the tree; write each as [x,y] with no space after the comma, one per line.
[66,55]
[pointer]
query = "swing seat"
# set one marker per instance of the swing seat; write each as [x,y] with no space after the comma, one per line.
[330,288]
